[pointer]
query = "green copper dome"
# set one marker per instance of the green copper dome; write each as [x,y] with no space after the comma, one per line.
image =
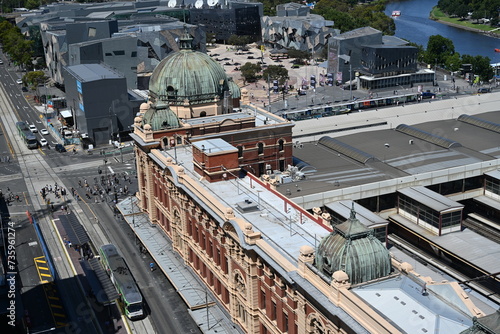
[188,76]
[352,248]
[160,119]
[234,88]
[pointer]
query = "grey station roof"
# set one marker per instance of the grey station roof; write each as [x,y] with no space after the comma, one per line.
[429,137]
[431,199]
[365,216]
[401,300]
[345,149]
[494,174]
[480,122]
[488,201]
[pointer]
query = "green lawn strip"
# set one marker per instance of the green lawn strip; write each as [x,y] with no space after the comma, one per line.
[437,14]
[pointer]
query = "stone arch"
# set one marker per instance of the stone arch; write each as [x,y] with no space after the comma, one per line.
[239,282]
[281,144]
[314,325]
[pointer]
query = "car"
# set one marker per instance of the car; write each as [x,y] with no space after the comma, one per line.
[43,142]
[60,148]
[483,90]
[1,62]
[33,128]
[19,81]
[24,89]
[44,132]
[428,95]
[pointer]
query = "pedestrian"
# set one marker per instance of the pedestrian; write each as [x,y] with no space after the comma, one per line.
[151,266]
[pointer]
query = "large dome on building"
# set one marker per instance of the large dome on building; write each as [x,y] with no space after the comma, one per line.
[353,249]
[188,77]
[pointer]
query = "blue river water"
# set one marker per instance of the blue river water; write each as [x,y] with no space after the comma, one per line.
[414,25]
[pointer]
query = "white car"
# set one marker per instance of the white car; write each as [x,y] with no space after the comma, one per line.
[44,132]
[19,81]
[33,128]
[43,142]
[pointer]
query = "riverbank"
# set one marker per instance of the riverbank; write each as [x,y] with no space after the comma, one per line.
[438,16]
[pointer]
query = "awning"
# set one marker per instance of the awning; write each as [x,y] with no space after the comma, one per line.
[66,113]
[75,231]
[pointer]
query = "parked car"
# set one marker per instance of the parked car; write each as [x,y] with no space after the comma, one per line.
[19,81]
[483,90]
[44,132]
[428,95]
[60,148]
[43,142]
[33,128]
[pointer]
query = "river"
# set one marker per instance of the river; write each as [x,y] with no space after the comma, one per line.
[414,25]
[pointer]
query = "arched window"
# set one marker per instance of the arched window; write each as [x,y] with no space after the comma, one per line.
[203,113]
[240,151]
[171,93]
[260,148]
[281,145]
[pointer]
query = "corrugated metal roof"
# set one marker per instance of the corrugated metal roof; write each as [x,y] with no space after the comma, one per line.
[495,174]
[365,216]
[488,201]
[345,149]
[428,137]
[430,198]
[75,231]
[484,124]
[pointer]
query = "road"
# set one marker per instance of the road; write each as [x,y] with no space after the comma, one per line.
[30,170]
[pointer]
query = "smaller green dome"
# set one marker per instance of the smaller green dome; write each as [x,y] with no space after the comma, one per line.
[160,119]
[353,249]
[234,88]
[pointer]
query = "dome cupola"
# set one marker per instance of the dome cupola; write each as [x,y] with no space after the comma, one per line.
[353,249]
[188,77]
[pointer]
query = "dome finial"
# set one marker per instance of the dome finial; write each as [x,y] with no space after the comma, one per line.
[353,213]
[186,40]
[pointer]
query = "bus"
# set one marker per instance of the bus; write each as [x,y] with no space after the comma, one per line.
[26,134]
[123,280]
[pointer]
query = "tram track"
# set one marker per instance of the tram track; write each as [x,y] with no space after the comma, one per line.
[36,173]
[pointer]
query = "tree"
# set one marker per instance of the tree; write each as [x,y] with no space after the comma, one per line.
[249,72]
[453,62]
[274,72]
[480,66]
[299,55]
[239,40]
[34,79]
[438,49]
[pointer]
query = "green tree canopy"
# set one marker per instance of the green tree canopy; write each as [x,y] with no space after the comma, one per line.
[249,72]
[274,72]
[480,66]
[438,49]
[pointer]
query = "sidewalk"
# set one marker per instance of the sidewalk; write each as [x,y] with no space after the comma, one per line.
[200,301]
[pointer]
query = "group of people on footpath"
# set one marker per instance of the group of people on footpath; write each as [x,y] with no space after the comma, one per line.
[10,197]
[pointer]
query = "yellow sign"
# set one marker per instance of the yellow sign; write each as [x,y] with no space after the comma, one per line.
[262,48]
